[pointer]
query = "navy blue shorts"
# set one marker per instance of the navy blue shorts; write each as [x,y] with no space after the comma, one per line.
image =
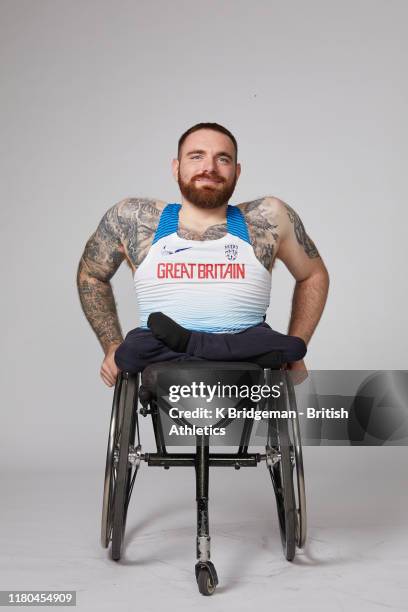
[141,348]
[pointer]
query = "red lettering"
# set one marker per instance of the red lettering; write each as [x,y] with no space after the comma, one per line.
[201,270]
[180,270]
[227,272]
[209,271]
[160,270]
[240,269]
[169,270]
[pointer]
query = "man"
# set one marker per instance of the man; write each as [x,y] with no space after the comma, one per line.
[202,268]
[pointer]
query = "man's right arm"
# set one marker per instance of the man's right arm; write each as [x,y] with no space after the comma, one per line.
[103,254]
[125,232]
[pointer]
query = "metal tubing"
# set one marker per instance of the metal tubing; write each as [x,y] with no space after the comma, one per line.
[202,477]
[157,428]
[189,459]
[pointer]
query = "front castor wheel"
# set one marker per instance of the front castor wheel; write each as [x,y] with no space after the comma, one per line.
[206,576]
[205,583]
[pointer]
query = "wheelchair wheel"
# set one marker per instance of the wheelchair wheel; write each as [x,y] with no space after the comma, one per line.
[127,457]
[281,472]
[300,477]
[110,469]
[205,583]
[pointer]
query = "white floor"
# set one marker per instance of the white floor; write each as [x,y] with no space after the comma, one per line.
[355,559]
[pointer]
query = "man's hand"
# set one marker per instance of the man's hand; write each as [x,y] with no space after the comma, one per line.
[109,369]
[298,371]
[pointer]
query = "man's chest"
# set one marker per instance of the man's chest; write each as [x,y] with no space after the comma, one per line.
[264,239]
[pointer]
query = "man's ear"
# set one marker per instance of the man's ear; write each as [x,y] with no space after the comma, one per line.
[238,171]
[174,168]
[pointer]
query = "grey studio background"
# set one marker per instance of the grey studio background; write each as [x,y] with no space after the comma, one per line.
[95,95]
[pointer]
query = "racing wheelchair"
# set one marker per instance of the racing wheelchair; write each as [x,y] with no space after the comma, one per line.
[138,394]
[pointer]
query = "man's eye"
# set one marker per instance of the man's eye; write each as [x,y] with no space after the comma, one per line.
[224,159]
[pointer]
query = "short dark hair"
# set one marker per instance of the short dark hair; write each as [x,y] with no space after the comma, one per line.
[207,126]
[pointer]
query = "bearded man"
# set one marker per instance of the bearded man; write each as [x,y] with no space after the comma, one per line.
[201,268]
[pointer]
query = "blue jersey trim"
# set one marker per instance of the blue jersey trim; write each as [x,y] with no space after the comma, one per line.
[237,224]
[168,222]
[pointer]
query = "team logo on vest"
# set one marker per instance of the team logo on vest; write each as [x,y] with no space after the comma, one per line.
[231,251]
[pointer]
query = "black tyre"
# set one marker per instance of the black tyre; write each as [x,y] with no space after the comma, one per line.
[301,518]
[205,583]
[280,466]
[110,468]
[124,481]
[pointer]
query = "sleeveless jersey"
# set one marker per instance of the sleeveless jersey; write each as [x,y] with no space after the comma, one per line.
[204,285]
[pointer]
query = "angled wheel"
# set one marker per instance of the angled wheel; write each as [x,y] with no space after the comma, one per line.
[281,473]
[301,519]
[128,458]
[280,463]
[110,468]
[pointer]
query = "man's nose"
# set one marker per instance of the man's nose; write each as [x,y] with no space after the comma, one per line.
[209,165]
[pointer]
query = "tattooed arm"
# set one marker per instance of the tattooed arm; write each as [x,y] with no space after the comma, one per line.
[124,233]
[300,255]
[102,256]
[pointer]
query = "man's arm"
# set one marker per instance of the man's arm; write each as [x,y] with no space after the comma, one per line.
[300,255]
[103,254]
[125,232]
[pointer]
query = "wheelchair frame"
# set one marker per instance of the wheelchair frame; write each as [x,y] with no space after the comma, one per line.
[283,453]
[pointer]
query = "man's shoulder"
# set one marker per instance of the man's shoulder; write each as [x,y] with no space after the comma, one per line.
[262,211]
[134,221]
[263,217]
[133,207]
[135,217]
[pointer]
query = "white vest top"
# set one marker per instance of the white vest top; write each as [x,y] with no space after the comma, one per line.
[205,285]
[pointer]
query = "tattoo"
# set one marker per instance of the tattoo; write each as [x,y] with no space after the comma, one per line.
[300,232]
[125,232]
[99,306]
[211,233]
[103,253]
[264,237]
[138,232]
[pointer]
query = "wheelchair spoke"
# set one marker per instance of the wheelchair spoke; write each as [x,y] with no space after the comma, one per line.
[131,486]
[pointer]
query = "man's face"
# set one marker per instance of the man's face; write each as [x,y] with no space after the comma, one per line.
[207,172]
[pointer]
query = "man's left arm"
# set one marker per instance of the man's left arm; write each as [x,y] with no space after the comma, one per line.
[300,255]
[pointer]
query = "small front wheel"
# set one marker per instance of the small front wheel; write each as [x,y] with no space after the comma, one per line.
[206,585]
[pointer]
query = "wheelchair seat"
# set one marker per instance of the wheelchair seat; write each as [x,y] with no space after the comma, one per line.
[149,376]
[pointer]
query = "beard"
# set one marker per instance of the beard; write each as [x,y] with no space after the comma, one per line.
[206,195]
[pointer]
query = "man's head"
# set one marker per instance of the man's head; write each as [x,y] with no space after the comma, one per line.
[206,168]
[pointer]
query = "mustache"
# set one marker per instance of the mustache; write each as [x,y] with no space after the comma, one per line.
[212,177]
